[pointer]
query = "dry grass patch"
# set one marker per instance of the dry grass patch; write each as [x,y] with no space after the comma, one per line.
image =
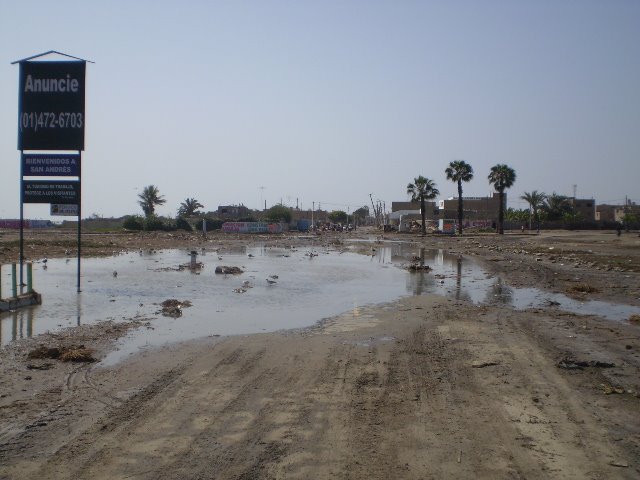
[73,353]
[582,288]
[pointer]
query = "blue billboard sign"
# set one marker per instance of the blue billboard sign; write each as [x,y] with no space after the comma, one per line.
[51,191]
[51,106]
[50,165]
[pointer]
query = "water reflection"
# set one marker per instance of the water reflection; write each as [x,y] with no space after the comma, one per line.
[500,293]
[16,325]
[308,289]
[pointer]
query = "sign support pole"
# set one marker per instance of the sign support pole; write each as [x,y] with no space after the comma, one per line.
[79,215]
[21,217]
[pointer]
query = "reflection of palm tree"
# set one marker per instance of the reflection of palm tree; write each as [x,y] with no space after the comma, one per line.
[458,278]
[460,293]
[500,293]
[419,283]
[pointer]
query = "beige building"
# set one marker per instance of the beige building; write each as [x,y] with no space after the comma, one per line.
[586,207]
[615,213]
[477,211]
[405,214]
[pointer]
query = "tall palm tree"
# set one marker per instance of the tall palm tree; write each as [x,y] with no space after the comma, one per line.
[557,206]
[459,171]
[189,207]
[149,199]
[501,177]
[535,200]
[422,189]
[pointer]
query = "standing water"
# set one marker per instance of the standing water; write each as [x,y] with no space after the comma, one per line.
[279,289]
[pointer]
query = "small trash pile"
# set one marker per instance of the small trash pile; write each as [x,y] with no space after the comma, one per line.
[221,269]
[418,267]
[72,353]
[173,308]
[570,363]
[582,288]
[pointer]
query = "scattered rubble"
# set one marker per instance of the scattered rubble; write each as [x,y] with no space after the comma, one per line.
[418,267]
[582,288]
[173,308]
[73,353]
[569,363]
[484,363]
[221,269]
[610,389]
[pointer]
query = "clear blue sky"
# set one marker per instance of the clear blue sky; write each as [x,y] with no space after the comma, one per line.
[329,101]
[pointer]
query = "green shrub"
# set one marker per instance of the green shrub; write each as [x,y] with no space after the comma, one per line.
[212,224]
[182,224]
[153,223]
[133,222]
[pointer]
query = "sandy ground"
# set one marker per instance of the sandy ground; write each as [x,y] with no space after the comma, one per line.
[422,388]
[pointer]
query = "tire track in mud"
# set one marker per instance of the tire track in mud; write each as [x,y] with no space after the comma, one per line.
[76,457]
[563,430]
[80,377]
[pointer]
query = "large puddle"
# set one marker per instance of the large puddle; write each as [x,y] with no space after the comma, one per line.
[307,289]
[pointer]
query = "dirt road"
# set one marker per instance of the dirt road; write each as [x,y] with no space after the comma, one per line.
[423,388]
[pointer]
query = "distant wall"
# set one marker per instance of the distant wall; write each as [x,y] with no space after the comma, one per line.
[15,224]
[252,227]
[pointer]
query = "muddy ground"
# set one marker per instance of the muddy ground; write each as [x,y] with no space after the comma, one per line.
[421,388]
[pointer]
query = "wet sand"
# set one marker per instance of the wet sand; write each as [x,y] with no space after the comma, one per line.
[424,387]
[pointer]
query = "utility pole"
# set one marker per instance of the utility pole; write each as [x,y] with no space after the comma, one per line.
[313,207]
[374,208]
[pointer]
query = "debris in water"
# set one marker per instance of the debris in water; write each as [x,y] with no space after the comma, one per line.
[230,270]
[173,308]
[239,290]
[189,266]
[418,267]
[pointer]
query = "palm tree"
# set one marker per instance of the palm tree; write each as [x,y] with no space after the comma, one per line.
[149,199]
[459,171]
[189,207]
[422,189]
[501,177]
[535,200]
[557,206]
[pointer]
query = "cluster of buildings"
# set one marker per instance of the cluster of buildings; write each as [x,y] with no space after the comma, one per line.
[483,212]
[442,215]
